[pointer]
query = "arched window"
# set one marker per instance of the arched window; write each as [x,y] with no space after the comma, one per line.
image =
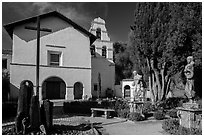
[98,33]
[126,91]
[104,51]
[92,50]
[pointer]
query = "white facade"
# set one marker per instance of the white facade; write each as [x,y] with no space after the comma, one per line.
[127,86]
[102,64]
[75,58]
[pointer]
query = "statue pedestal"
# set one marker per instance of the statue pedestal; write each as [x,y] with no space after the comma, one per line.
[136,106]
[190,116]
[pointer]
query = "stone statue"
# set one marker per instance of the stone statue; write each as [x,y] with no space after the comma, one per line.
[137,84]
[189,73]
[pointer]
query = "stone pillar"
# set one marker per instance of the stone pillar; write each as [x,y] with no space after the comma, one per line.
[34,91]
[132,94]
[66,94]
[69,93]
[84,95]
[48,113]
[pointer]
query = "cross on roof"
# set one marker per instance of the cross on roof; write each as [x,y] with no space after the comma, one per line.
[38,29]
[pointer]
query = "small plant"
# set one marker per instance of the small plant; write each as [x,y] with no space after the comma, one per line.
[135,116]
[173,113]
[159,115]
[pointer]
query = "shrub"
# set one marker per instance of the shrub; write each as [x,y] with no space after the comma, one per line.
[83,107]
[122,108]
[121,104]
[159,115]
[107,103]
[9,109]
[171,103]
[172,126]
[123,113]
[173,113]
[187,131]
[135,116]
[147,109]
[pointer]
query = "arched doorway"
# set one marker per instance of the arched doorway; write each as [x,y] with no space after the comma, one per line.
[53,88]
[127,91]
[78,90]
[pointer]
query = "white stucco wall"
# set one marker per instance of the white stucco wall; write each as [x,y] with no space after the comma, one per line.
[118,91]
[107,72]
[75,50]
[70,77]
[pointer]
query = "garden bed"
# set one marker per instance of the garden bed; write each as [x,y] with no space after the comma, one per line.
[56,130]
[61,126]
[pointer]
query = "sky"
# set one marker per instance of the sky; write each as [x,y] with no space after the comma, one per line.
[119,16]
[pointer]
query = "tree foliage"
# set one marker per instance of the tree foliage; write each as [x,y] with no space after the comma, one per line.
[162,36]
[123,64]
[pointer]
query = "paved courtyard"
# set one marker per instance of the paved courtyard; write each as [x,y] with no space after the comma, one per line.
[118,126]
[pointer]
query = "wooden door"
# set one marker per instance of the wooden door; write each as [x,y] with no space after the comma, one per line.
[78,90]
[53,90]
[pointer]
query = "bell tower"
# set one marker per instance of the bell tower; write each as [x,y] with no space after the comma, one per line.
[102,46]
[102,65]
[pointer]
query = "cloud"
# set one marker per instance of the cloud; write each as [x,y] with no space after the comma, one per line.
[13,11]
[80,12]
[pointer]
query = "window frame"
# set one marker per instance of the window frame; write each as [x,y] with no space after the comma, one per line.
[127,91]
[52,63]
[95,86]
[104,51]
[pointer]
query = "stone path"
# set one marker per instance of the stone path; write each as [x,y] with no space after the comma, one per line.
[135,128]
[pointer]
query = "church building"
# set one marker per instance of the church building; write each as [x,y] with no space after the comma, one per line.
[103,67]
[70,68]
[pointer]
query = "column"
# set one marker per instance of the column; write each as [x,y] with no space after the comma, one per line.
[132,94]
[83,96]
[40,93]
[69,93]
